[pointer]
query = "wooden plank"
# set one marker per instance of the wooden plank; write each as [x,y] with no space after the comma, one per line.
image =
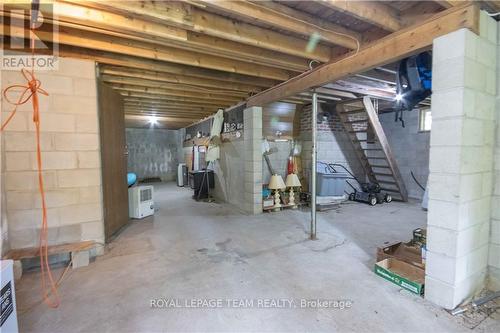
[104,23]
[384,143]
[162,118]
[146,50]
[113,160]
[386,50]
[171,86]
[115,59]
[177,92]
[336,35]
[33,252]
[217,26]
[186,100]
[183,104]
[179,80]
[176,113]
[373,12]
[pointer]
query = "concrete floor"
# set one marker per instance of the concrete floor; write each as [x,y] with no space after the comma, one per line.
[193,250]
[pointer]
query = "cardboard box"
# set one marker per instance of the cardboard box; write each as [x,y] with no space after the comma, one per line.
[406,276]
[406,252]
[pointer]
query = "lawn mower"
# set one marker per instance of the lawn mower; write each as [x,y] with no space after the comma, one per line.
[369,193]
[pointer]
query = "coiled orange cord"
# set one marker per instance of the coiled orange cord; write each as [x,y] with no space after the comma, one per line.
[29,91]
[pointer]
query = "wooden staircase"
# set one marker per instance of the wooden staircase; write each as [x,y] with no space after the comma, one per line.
[360,121]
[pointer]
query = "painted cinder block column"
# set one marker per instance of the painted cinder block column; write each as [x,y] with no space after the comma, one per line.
[252,134]
[461,164]
[494,253]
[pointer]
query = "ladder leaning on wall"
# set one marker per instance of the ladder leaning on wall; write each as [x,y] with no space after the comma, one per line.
[362,125]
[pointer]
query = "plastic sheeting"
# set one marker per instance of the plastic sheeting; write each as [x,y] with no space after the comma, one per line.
[213,152]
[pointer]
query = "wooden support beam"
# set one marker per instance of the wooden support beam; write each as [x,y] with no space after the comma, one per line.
[374,12]
[146,50]
[386,50]
[200,21]
[277,17]
[180,80]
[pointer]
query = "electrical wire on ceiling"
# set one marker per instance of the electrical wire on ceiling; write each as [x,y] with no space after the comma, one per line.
[358,44]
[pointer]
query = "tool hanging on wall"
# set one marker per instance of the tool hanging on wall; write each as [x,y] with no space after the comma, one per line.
[29,92]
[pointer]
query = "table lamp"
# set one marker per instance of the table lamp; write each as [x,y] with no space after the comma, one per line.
[276,184]
[292,181]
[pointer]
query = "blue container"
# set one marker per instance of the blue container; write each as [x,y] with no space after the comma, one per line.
[131,178]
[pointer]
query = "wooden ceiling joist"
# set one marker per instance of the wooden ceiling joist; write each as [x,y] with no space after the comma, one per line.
[386,50]
[332,34]
[168,104]
[115,25]
[196,20]
[180,93]
[374,12]
[187,100]
[153,112]
[165,117]
[145,50]
[163,67]
[180,80]
[171,86]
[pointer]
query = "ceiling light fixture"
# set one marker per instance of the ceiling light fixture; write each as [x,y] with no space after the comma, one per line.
[153,120]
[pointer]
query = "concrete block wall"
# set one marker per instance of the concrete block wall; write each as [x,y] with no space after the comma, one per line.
[4,228]
[71,159]
[153,152]
[461,163]
[410,148]
[252,135]
[494,250]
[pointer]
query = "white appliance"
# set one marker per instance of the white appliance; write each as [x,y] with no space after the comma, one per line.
[140,201]
[182,176]
[8,317]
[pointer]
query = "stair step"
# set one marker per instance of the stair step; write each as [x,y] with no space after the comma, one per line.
[380,166]
[387,182]
[376,158]
[358,131]
[357,121]
[354,111]
[383,174]
[374,149]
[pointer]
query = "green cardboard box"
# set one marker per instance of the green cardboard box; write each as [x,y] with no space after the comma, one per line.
[402,274]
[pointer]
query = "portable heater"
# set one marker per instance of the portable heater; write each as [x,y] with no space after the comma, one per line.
[140,201]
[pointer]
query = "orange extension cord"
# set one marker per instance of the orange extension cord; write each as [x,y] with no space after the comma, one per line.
[28,91]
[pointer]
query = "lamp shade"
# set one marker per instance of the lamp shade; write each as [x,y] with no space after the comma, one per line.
[292,180]
[276,183]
